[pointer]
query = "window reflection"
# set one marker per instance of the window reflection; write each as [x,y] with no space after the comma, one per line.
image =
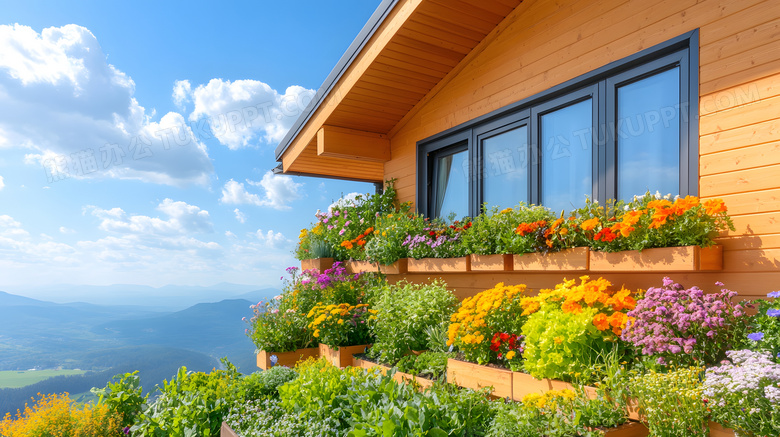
[452,185]
[505,168]
[648,151]
[567,157]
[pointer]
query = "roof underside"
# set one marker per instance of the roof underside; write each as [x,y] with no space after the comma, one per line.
[411,50]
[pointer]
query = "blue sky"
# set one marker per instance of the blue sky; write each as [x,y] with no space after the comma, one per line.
[136,138]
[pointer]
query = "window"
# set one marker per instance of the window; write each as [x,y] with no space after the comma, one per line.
[615,132]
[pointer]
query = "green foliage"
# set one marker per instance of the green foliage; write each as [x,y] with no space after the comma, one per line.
[123,396]
[261,385]
[766,326]
[436,336]
[192,404]
[267,418]
[432,365]
[404,312]
[387,245]
[672,402]
[562,345]
[493,231]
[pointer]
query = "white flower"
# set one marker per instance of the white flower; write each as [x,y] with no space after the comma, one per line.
[278,297]
[657,194]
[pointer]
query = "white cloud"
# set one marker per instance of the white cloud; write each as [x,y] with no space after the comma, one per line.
[271,239]
[348,200]
[240,216]
[2,183]
[244,112]
[181,92]
[234,193]
[279,190]
[64,230]
[230,234]
[77,115]
[181,219]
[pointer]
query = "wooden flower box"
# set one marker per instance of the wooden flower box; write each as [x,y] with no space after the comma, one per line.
[633,407]
[317,264]
[341,356]
[442,265]
[396,268]
[524,384]
[665,259]
[568,259]
[226,431]
[285,358]
[629,429]
[470,375]
[366,364]
[717,430]
[491,263]
[408,378]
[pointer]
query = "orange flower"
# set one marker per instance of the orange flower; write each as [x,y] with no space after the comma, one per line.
[589,225]
[622,228]
[659,217]
[632,217]
[683,204]
[600,322]
[571,307]
[714,206]
[659,204]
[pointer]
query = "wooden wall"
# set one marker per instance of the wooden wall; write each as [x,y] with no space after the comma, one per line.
[546,42]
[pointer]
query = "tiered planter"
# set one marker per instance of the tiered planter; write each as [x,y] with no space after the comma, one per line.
[565,260]
[317,264]
[226,431]
[408,378]
[491,263]
[716,430]
[285,358]
[341,356]
[524,384]
[397,268]
[470,375]
[665,259]
[440,265]
[366,364]
[630,429]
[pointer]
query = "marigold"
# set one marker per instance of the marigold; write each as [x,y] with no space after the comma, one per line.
[601,322]
[590,224]
[714,206]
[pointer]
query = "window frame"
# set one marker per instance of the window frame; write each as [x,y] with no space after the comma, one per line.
[601,84]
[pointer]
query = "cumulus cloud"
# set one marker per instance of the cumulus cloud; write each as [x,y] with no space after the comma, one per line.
[64,230]
[271,239]
[78,117]
[278,192]
[2,183]
[244,112]
[240,216]
[182,218]
[181,92]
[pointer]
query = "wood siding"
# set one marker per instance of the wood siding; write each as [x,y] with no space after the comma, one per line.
[543,43]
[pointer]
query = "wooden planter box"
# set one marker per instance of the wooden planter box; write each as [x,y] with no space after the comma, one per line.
[422,383]
[396,268]
[285,358]
[630,429]
[317,264]
[491,263]
[366,364]
[717,430]
[471,375]
[569,259]
[665,259]
[341,357]
[524,384]
[226,431]
[444,265]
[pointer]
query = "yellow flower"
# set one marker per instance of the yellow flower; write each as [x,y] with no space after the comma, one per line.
[510,355]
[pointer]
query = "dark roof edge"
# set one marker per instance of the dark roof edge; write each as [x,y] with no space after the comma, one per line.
[378,17]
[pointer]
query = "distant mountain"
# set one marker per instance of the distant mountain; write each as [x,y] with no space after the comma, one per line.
[8,299]
[169,297]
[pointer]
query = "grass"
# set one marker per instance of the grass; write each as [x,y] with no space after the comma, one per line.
[17,379]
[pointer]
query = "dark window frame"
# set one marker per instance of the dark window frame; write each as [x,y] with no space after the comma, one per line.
[682,51]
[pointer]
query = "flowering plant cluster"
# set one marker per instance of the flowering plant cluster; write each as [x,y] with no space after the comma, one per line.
[653,221]
[765,326]
[743,393]
[387,246]
[437,240]
[348,225]
[493,231]
[479,318]
[682,326]
[672,403]
[341,324]
[570,325]
[281,324]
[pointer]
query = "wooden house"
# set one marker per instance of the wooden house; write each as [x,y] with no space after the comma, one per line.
[550,101]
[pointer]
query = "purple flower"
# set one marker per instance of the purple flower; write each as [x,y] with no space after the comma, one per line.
[756,336]
[774,294]
[126,430]
[274,359]
[773,312]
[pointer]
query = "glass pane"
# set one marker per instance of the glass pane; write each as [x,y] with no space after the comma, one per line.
[648,135]
[452,195]
[505,168]
[567,157]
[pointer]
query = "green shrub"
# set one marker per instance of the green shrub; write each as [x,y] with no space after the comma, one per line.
[267,418]
[123,397]
[261,385]
[432,365]
[404,312]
